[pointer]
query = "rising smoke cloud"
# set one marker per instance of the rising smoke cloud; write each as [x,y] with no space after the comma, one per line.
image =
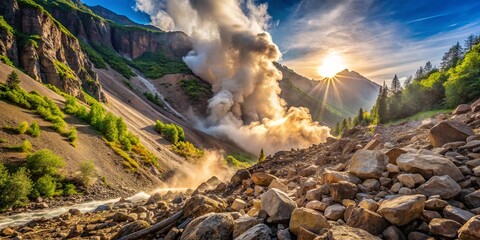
[233,51]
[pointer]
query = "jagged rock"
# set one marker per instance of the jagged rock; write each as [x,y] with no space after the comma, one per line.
[304,234]
[120,217]
[367,220]
[393,154]
[392,168]
[410,179]
[372,144]
[403,209]
[444,186]
[199,205]
[393,233]
[428,166]
[238,204]
[419,236]
[308,219]
[317,193]
[277,205]
[349,233]
[131,228]
[343,190]
[368,164]
[470,230]
[257,232]
[244,223]
[308,171]
[444,227]
[369,204]
[461,109]
[457,214]
[472,200]
[214,226]
[329,176]
[316,205]
[371,185]
[6,232]
[471,145]
[435,204]
[334,212]
[262,178]
[278,185]
[449,131]
[173,234]
[239,176]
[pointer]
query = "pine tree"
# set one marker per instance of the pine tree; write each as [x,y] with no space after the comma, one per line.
[344,126]
[451,58]
[360,116]
[396,86]
[13,80]
[336,130]
[470,42]
[419,74]
[408,81]
[428,67]
[262,156]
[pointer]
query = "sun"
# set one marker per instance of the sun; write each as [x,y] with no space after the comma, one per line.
[331,65]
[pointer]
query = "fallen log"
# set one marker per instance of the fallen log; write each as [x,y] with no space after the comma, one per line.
[154,228]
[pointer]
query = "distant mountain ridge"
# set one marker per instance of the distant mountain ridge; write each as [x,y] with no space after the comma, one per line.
[336,98]
[120,19]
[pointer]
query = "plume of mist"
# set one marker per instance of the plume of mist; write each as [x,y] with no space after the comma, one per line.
[233,51]
[192,174]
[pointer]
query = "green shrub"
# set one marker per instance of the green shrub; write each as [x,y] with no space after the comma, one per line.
[88,171]
[194,88]
[231,161]
[59,124]
[13,81]
[117,62]
[6,60]
[3,175]
[172,132]
[22,128]
[26,146]
[72,135]
[153,98]
[45,186]
[34,130]
[69,190]
[3,140]
[15,190]
[93,55]
[156,65]
[44,162]
[64,71]
[110,127]
[187,150]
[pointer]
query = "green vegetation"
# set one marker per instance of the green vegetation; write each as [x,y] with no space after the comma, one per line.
[153,98]
[262,156]
[172,132]
[3,140]
[13,81]
[25,39]
[34,130]
[15,188]
[72,135]
[44,162]
[187,150]
[117,62]
[6,60]
[38,177]
[237,160]
[156,65]
[88,171]
[5,27]
[25,147]
[421,116]
[64,71]
[22,128]
[93,55]
[194,88]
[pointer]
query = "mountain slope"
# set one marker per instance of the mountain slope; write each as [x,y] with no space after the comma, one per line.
[120,19]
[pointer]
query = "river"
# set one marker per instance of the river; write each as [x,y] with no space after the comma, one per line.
[25,217]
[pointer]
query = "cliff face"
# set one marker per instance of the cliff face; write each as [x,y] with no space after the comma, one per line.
[46,51]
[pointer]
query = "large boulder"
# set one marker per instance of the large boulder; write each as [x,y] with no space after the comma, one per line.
[309,219]
[239,176]
[428,165]
[131,228]
[410,179]
[343,190]
[244,223]
[199,205]
[444,227]
[257,232]
[403,209]
[459,215]
[213,226]
[368,164]
[277,205]
[367,220]
[329,176]
[449,131]
[343,232]
[472,200]
[262,178]
[470,230]
[444,186]
[461,109]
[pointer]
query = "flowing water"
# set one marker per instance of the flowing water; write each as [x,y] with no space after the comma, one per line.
[22,218]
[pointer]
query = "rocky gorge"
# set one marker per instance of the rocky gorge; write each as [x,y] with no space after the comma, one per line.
[415,180]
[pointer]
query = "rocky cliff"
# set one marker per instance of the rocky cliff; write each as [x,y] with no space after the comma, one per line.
[45,50]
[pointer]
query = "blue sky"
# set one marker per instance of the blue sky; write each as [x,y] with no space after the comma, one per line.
[376,38]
